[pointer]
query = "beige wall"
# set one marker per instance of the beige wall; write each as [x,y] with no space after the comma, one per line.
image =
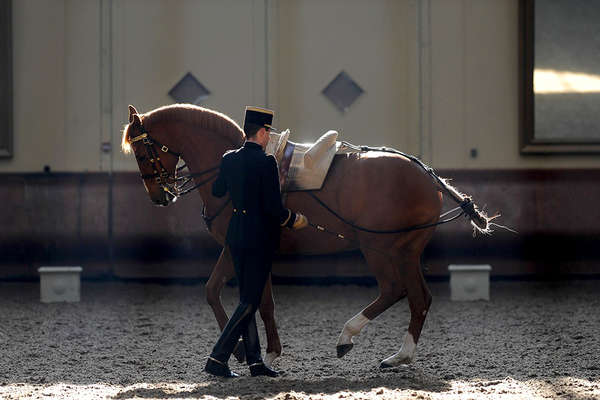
[222,43]
[440,75]
[374,42]
[39,92]
[79,63]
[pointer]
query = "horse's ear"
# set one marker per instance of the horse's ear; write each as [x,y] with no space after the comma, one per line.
[135,120]
[132,112]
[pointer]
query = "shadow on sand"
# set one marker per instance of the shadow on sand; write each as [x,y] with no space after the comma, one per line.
[248,387]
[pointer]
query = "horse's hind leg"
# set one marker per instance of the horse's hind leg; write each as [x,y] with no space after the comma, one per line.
[419,301]
[221,273]
[267,313]
[390,291]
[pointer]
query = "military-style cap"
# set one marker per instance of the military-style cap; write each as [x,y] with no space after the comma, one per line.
[258,116]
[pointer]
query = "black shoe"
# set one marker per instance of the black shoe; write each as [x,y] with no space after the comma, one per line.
[218,368]
[262,370]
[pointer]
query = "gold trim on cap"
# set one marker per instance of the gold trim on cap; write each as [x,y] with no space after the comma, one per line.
[260,110]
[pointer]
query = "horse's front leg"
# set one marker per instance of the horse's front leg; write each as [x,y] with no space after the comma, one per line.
[221,273]
[267,313]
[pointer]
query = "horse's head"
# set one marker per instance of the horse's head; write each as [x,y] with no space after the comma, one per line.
[157,163]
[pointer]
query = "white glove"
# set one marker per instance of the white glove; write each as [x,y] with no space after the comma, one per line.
[300,222]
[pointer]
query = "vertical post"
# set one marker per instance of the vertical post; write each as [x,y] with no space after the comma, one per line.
[106,114]
[424,61]
[259,66]
[272,53]
[106,154]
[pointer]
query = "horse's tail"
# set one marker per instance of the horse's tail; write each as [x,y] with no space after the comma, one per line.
[479,220]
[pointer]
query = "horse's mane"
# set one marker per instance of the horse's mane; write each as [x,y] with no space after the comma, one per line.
[204,118]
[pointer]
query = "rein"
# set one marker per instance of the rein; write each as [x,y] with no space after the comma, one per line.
[360,228]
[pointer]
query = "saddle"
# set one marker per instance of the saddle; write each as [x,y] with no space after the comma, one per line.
[304,166]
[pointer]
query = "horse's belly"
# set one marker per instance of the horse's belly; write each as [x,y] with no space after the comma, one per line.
[311,241]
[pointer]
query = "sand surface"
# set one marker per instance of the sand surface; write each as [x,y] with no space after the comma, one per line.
[130,340]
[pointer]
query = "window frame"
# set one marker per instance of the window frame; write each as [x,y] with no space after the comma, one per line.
[529,144]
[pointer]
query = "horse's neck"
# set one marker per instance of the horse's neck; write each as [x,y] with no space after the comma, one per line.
[203,151]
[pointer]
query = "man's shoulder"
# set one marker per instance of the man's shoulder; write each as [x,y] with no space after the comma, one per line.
[231,155]
[260,156]
[271,159]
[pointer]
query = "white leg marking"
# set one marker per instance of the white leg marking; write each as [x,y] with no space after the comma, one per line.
[269,358]
[352,328]
[406,355]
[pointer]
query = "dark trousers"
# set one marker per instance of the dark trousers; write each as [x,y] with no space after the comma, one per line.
[252,268]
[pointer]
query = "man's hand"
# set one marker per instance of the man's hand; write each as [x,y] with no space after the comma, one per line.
[300,222]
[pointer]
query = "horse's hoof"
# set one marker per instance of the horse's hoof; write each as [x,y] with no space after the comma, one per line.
[269,358]
[385,365]
[343,349]
[393,363]
[239,351]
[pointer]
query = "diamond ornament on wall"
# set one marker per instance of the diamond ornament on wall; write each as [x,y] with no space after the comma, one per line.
[342,91]
[189,90]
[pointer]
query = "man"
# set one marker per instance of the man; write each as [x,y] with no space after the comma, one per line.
[251,178]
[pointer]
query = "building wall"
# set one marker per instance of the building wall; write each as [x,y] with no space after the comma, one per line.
[79,63]
[440,80]
[440,76]
[474,91]
[373,42]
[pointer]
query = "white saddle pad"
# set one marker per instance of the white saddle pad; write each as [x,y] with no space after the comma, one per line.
[309,162]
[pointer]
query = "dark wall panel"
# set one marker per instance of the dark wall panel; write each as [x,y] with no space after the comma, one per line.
[76,219]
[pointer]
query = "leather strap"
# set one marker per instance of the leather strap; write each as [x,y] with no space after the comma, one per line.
[284,166]
[217,361]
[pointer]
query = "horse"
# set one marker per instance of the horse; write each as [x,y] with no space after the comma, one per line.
[384,204]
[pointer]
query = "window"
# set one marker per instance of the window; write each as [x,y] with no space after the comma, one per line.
[559,76]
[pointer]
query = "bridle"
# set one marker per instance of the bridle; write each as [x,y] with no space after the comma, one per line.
[175,186]
[160,174]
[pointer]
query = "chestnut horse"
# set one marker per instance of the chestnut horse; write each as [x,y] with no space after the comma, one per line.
[365,193]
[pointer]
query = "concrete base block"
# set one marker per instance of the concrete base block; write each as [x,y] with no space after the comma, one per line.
[469,282]
[60,284]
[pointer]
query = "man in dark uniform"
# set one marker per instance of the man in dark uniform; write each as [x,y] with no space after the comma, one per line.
[252,180]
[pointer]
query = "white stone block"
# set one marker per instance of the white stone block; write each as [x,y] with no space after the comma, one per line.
[469,282]
[60,284]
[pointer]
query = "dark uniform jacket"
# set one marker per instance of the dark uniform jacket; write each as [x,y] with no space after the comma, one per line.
[252,180]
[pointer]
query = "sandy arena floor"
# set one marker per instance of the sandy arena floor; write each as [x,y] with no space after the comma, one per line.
[129,340]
